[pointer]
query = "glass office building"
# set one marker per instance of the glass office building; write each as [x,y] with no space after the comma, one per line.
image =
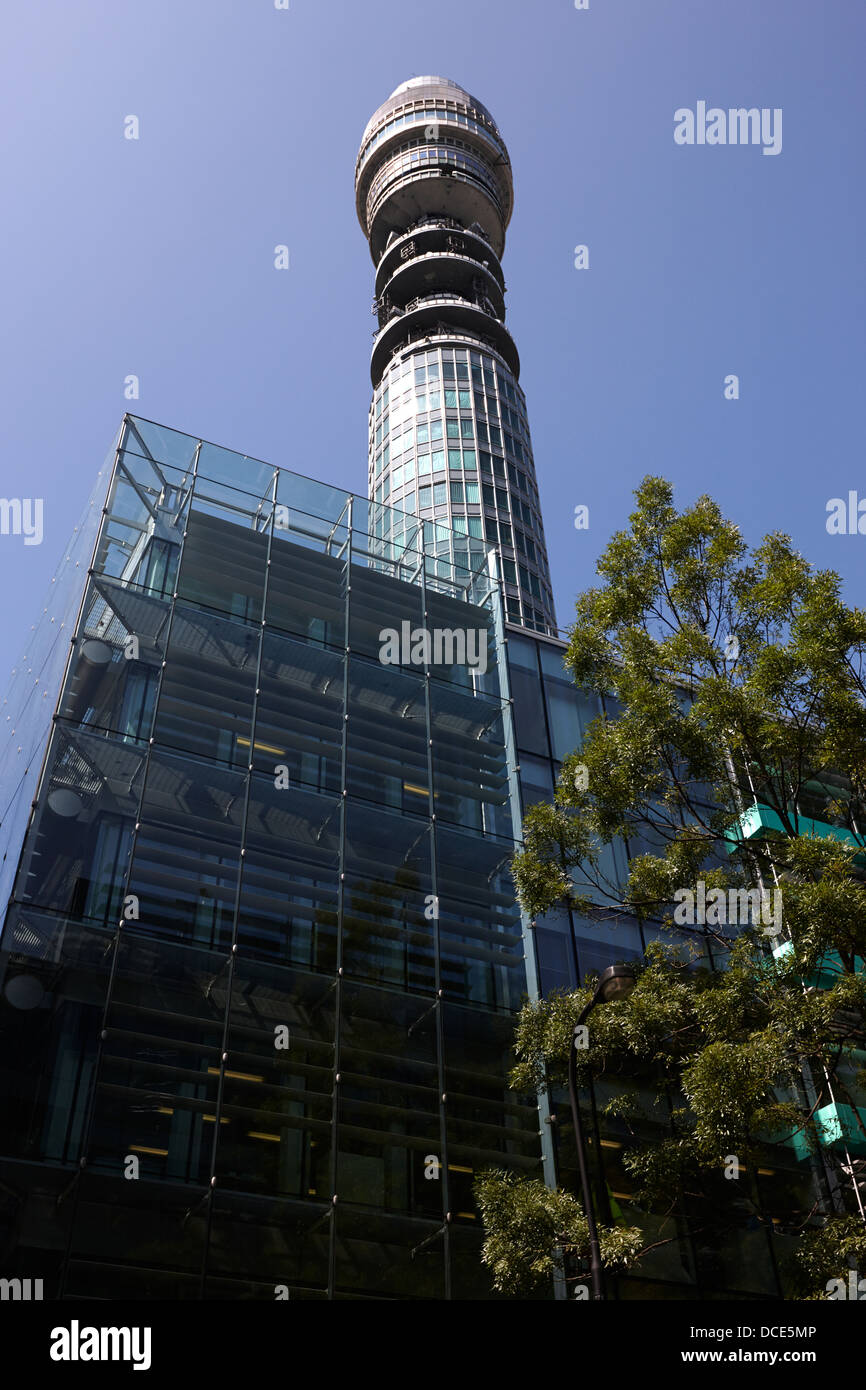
[261,955]
[448,429]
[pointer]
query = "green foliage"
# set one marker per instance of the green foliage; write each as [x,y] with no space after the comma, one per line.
[782,709]
[829,1253]
[532,1230]
[738,677]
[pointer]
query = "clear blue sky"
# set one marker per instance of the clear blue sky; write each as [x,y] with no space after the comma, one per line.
[155,257]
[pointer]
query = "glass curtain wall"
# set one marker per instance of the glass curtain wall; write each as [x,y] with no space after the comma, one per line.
[262,955]
[449,439]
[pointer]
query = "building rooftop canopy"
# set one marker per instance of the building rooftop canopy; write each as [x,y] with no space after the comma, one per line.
[251,488]
[421,88]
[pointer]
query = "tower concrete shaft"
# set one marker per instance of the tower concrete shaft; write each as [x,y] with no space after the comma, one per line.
[449,435]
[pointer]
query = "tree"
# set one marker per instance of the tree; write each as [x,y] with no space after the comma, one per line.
[731,763]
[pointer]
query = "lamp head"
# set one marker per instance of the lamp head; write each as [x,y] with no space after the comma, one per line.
[616,982]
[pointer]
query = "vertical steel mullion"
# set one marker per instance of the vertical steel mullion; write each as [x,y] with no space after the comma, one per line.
[530,959]
[338,982]
[437,957]
[218,1109]
[87,1127]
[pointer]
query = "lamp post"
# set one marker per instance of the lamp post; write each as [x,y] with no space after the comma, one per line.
[616,982]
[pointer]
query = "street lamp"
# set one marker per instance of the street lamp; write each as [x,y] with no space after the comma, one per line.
[616,982]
